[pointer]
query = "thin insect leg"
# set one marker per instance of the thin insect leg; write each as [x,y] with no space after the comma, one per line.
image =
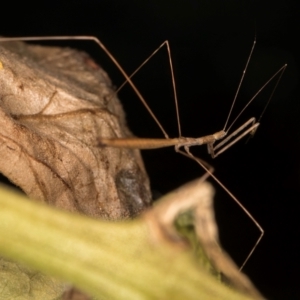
[141,65]
[167,45]
[253,128]
[112,58]
[240,83]
[126,76]
[207,167]
[280,71]
[271,96]
[209,173]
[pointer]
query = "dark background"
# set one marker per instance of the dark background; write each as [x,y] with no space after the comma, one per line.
[210,43]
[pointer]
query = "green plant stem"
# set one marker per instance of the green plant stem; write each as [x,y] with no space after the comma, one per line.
[110,260]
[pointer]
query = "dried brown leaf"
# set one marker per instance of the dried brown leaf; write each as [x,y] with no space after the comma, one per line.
[55,104]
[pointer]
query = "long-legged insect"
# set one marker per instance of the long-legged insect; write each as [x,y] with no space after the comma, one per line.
[214,149]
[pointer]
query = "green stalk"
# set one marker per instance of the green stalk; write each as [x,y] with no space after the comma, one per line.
[109,260]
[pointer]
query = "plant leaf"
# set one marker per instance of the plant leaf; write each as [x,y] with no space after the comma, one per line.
[55,103]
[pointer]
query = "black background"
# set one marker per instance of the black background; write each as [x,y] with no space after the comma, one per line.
[210,43]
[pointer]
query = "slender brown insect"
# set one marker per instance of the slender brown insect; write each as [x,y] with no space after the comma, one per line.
[216,143]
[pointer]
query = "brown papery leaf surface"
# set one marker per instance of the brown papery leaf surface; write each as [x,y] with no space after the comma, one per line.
[55,104]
